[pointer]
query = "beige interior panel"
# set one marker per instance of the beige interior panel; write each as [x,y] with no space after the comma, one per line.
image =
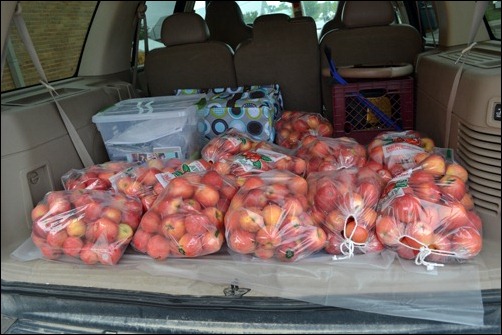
[36,148]
[474,133]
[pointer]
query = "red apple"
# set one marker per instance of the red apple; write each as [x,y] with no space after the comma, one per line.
[273,215]
[388,230]
[150,222]
[190,245]
[370,192]
[455,169]
[76,227]
[335,221]
[173,226]
[125,232]
[466,242]
[105,229]
[39,211]
[315,238]
[140,240]
[158,247]
[92,211]
[434,164]
[263,253]
[207,196]
[428,191]
[212,178]
[212,241]
[452,186]
[197,224]
[87,254]
[56,238]
[241,241]
[250,221]
[180,187]
[356,233]
[72,246]
[112,213]
[406,208]
[421,232]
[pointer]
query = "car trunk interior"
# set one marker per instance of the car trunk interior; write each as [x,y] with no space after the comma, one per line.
[37,151]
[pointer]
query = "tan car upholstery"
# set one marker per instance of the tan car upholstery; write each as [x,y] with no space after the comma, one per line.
[226,23]
[283,51]
[189,59]
[369,37]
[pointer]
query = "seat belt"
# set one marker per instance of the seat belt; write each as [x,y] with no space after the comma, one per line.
[479,13]
[75,138]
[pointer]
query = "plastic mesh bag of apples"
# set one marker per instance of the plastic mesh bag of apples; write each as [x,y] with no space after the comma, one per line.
[147,181]
[268,219]
[427,214]
[87,225]
[95,177]
[293,126]
[328,154]
[186,219]
[344,203]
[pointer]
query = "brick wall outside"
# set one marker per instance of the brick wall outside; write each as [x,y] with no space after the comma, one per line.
[58,30]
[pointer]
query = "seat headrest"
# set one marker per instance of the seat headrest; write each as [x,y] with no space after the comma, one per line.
[278,17]
[217,8]
[358,14]
[184,28]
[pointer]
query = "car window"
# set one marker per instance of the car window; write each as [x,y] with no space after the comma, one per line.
[428,23]
[252,9]
[320,11]
[156,12]
[58,44]
[493,18]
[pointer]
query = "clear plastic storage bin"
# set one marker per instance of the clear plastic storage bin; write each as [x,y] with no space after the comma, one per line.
[165,127]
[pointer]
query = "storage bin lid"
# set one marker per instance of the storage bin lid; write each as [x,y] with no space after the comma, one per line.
[150,108]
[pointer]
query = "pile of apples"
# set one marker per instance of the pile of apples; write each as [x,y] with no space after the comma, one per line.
[93,226]
[344,203]
[293,126]
[226,145]
[147,181]
[186,220]
[328,154]
[428,211]
[268,218]
[96,177]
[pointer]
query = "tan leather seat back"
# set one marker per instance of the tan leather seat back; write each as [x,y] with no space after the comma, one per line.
[369,37]
[283,51]
[226,23]
[189,59]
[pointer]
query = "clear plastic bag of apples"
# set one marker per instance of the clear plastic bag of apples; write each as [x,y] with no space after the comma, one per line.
[427,214]
[268,219]
[88,225]
[186,219]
